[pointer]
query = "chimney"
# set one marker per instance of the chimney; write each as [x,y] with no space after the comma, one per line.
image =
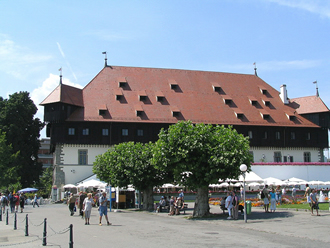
[284,94]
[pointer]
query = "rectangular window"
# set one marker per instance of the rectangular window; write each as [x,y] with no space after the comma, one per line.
[250,135]
[124,132]
[308,136]
[71,131]
[288,158]
[105,132]
[85,131]
[265,135]
[277,135]
[307,156]
[82,157]
[277,157]
[293,135]
[139,132]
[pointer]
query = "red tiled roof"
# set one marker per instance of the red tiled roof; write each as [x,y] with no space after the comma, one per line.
[308,105]
[65,94]
[194,96]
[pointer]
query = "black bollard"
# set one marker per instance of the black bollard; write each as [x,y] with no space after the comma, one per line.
[15,221]
[44,241]
[27,225]
[71,237]
[7,218]
[1,214]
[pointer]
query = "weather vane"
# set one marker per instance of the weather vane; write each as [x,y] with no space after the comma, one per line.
[255,68]
[105,59]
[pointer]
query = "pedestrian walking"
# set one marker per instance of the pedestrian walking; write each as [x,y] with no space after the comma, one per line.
[21,201]
[235,202]
[103,208]
[315,204]
[71,203]
[87,207]
[35,200]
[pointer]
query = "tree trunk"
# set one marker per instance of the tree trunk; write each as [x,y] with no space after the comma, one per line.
[148,200]
[202,207]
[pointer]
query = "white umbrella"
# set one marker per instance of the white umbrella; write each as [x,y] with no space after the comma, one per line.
[254,184]
[294,179]
[273,181]
[168,185]
[250,177]
[316,182]
[69,186]
[224,185]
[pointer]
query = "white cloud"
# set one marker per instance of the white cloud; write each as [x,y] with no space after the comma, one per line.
[19,61]
[319,7]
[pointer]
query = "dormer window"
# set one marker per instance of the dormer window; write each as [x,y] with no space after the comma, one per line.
[266,102]
[122,82]
[227,100]
[160,96]
[142,95]
[239,113]
[119,94]
[264,114]
[253,100]
[138,110]
[173,84]
[102,110]
[263,90]
[290,116]
[175,111]
[216,87]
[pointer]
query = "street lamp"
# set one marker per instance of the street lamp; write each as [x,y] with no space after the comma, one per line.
[243,169]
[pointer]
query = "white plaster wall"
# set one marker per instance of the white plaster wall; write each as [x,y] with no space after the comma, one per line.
[70,153]
[297,153]
[74,172]
[305,172]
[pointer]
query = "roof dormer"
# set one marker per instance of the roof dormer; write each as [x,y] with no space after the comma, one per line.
[122,82]
[138,110]
[175,111]
[216,87]
[173,84]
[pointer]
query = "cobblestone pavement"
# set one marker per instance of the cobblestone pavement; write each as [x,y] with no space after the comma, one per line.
[130,228]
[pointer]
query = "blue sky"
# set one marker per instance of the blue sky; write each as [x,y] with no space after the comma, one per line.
[288,39]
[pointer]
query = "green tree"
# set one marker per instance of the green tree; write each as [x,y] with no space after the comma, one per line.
[22,132]
[129,163]
[46,181]
[199,155]
[7,157]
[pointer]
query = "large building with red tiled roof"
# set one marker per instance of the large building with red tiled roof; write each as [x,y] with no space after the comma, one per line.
[132,104]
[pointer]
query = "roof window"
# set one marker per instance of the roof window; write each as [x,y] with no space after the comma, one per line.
[102,109]
[239,113]
[173,84]
[122,82]
[119,94]
[264,114]
[216,87]
[175,111]
[160,96]
[142,95]
[253,100]
[263,90]
[227,100]
[138,110]
[266,102]
[290,116]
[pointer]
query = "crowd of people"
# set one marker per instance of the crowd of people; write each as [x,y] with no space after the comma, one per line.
[273,197]
[85,203]
[174,204]
[14,201]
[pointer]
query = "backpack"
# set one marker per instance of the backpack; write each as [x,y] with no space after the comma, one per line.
[4,200]
[234,201]
[262,194]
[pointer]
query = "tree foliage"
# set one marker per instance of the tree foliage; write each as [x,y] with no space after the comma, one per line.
[7,157]
[130,163]
[22,132]
[199,155]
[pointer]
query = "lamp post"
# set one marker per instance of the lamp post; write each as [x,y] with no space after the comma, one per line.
[243,169]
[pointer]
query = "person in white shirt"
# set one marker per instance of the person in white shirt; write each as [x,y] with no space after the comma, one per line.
[229,205]
[87,207]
